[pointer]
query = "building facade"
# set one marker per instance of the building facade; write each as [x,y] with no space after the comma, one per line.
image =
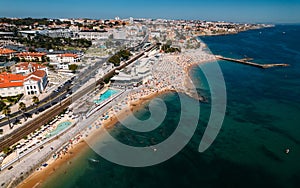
[11,84]
[31,56]
[64,58]
[26,68]
[14,84]
[7,52]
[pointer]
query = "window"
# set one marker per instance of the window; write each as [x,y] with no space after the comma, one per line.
[30,87]
[27,87]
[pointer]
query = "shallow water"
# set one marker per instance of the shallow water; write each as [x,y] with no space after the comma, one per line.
[262,120]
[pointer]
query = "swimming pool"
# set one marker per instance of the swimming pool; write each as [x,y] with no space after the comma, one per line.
[106,95]
[60,127]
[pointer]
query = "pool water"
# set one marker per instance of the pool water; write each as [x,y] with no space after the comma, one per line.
[106,95]
[62,126]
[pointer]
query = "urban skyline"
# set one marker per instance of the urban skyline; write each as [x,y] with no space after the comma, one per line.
[232,10]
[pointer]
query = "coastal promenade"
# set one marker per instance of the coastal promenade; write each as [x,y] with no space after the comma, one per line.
[169,73]
[246,62]
[56,110]
[22,168]
[36,123]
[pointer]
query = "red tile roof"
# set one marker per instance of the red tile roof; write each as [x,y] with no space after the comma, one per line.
[6,51]
[32,54]
[25,66]
[17,80]
[11,80]
[39,73]
[33,78]
[12,84]
[68,55]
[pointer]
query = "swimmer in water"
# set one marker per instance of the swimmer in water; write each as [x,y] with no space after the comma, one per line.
[287,151]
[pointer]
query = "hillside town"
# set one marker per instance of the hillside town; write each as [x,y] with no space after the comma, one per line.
[52,71]
[38,55]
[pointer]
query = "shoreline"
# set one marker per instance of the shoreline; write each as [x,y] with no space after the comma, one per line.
[37,178]
[187,62]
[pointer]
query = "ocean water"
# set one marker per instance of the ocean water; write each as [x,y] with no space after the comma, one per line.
[262,120]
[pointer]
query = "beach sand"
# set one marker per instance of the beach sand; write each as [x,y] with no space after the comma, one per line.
[40,176]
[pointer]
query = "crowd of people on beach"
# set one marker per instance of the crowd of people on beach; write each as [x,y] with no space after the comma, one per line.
[169,73]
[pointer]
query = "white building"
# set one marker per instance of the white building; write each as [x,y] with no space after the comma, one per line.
[119,34]
[11,84]
[139,72]
[14,84]
[93,35]
[35,83]
[68,58]
[63,66]
[31,56]
[155,34]
[27,68]
[64,58]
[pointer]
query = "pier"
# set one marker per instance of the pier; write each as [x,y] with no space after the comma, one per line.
[246,61]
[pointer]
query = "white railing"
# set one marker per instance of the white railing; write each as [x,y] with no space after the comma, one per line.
[103,104]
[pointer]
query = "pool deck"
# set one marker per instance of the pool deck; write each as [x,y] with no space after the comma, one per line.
[50,134]
[96,97]
[12,158]
[105,89]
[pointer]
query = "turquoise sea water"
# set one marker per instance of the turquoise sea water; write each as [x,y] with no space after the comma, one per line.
[262,120]
[107,94]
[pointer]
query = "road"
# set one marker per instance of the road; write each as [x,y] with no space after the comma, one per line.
[56,97]
[44,118]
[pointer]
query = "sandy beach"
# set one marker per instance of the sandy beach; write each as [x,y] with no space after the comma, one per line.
[161,83]
[41,175]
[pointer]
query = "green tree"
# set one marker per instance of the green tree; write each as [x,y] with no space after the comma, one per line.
[35,101]
[22,108]
[115,59]
[6,150]
[73,67]
[6,111]
[2,105]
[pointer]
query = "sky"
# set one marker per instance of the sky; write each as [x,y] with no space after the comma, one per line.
[254,11]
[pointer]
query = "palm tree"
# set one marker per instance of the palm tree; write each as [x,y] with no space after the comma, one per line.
[35,101]
[6,111]
[22,108]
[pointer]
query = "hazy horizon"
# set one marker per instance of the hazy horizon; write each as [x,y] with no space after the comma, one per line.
[254,11]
